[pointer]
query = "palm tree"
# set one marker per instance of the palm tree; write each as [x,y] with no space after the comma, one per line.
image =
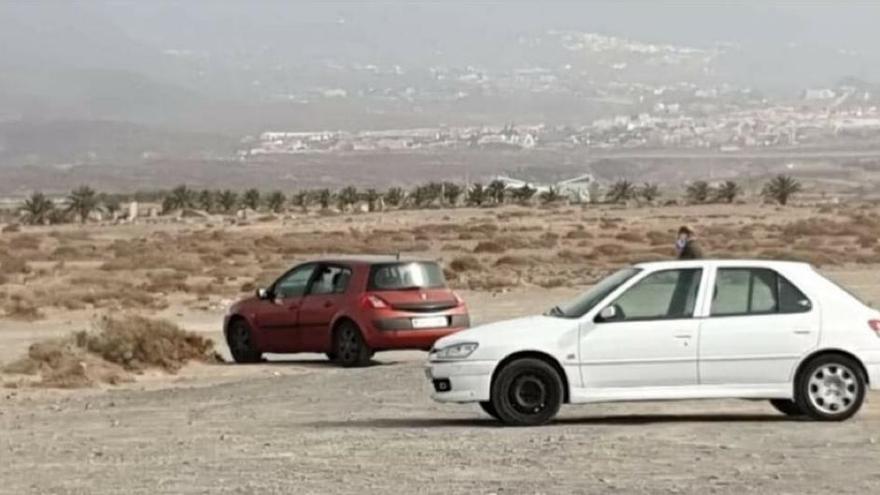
[394,196]
[649,192]
[301,199]
[451,193]
[275,201]
[727,192]
[251,199]
[82,201]
[621,191]
[496,191]
[551,195]
[523,194]
[477,195]
[371,196]
[179,198]
[347,197]
[227,199]
[206,200]
[324,198]
[781,188]
[37,208]
[112,204]
[698,192]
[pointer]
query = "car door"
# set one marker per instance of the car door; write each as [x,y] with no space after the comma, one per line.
[759,326]
[278,316]
[651,340]
[325,297]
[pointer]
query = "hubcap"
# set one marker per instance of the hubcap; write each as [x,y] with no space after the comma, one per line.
[348,344]
[242,339]
[833,388]
[528,394]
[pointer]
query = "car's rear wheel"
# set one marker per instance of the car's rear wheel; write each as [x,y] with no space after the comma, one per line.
[787,407]
[830,388]
[349,346]
[527,392]
[239,338]
[489,409]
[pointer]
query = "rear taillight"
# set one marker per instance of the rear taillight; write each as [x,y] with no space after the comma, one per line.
[875,326]
[372,301]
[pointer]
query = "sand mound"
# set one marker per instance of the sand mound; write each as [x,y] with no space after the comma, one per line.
[111,352]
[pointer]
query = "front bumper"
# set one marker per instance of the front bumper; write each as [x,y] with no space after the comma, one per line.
[460,381]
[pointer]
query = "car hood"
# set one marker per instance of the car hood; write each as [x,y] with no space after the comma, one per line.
[518,330]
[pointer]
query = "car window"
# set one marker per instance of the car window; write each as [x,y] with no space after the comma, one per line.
[331,280]
[408,275]
[294,282]
[750,291]
[667,294]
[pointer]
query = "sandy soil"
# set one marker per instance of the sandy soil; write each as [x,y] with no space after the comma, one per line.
[299,425]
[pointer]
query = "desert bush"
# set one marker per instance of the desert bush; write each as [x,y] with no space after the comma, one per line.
[489,247]
[608,249]
[11,228]
[11,265]
[515,260]
[18,307]
[629,236]
[465,264]
[578,234]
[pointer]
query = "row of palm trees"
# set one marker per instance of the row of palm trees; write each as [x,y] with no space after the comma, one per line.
[83,201]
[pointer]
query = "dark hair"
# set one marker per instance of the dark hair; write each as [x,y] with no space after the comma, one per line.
[685,230]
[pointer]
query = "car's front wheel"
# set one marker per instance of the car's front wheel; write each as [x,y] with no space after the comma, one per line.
[787,407]
[240,340]
[830,388]
[527,392]
[349,347]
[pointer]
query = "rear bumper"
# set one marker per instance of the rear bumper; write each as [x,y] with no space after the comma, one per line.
[462,381]
[407,339]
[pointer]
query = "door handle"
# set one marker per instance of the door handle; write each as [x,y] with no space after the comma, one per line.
[683,336]
[803,331]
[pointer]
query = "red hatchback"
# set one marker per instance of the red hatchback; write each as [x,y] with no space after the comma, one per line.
[347,309]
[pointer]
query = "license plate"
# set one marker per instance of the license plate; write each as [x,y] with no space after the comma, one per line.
[433,322]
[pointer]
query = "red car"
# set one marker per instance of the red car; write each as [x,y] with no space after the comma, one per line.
[347,309]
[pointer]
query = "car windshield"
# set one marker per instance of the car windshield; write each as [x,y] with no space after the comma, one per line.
[409,275]
[583,303]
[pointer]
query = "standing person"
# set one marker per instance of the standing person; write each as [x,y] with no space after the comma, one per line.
[686,246]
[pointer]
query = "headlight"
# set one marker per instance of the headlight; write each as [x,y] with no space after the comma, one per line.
[455,351]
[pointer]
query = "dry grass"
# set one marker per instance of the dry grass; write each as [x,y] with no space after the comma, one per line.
[112,351]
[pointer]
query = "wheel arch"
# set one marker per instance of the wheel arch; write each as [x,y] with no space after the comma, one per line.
[831,351]
[543,356]
[232,319]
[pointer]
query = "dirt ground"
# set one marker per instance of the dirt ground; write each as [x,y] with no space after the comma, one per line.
[299,425]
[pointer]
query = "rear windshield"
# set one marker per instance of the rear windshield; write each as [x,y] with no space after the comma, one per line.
[408,275]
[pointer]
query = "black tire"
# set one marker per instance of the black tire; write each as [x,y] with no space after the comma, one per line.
[527,392]
[349,346]
[787,407]
[331,356]
[239,338]
[489,409]
[830,387]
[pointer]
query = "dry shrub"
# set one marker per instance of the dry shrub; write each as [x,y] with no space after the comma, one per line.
[490,247]
[608,249]
[465,264]
[11,228]
[106,354]
[553,282]
[18,307]
[25,242]
[137,343]
[578,234]
[166,281]
[866,241]
[515,260]
[628,236]
[492,281]
[572,256]
[11,265]
[3,279]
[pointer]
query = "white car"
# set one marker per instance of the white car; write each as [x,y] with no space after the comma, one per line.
[697,329]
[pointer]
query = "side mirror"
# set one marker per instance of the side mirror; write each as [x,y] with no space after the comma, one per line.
[262,293]
[608,313]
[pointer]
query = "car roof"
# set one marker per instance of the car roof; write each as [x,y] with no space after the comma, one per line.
[722,262]
[361,259]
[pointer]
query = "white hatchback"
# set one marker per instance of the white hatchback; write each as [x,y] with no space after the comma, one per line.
[674,330]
